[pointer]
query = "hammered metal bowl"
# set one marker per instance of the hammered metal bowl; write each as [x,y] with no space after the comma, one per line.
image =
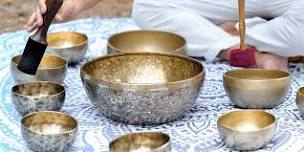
[256,88]
[52,68]
[72,46]
[37,96]
[300,101]
[141,142]
[146,41]
[247,129]
[48,130]
[143,88]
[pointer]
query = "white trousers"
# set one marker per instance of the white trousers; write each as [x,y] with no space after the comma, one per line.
[197,20]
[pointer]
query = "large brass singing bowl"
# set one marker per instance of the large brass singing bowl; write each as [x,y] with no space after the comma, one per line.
[146,41]
[51,68]
[143,88]
[48,131]
[72,46]
[247,129]
[256,88]
[300,101]
[141,142]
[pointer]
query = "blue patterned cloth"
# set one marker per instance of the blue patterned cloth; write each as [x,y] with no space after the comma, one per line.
[197,131]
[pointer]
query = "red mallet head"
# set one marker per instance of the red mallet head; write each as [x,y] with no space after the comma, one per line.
[243,58]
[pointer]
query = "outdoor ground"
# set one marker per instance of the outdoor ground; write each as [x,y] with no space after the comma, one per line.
[14,13]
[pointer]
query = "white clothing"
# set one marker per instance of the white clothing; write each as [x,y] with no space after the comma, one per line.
[197,20]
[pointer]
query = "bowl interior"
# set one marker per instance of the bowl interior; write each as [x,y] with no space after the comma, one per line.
[146,41]
[140,142]
[48,122]
[256,74]
[246,121]
[47,62]
[66,39]
[143,68]
[38,89]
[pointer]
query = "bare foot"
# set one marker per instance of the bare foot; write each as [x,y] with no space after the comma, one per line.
[272,62]
[229,27]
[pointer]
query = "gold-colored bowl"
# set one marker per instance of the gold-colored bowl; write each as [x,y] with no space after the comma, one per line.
[256,88]
[300,101]
[72,46]
[143,88]
[146,41]
[51,68]
[246,129]
[48,130]
[142,142]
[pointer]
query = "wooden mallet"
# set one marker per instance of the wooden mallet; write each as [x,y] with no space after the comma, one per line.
[242,57]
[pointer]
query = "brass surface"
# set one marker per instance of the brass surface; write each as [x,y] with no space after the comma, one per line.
[38,89]
[256,88]
[246,129]
[146,41]
[141,142]
[300,101]
[47,62]
[72,46]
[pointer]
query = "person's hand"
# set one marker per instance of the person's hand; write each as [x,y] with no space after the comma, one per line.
[67,10]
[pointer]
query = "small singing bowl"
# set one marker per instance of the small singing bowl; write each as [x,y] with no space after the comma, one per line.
[48,130]
[256,88]
[300,101]
[37,96]
[72,46]
[146,41]
[51,68]
[143,88]
[142,142]
[247,129]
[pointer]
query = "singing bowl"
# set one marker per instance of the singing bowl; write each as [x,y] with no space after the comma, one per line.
[48,130]
[300,101]
[141,142]
[143,88]
[256,88]
[146,41]
[72,46]
[51,68]
[37,96]
[247,129]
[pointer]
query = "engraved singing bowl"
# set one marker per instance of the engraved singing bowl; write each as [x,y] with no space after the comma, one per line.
[141,142]
[51,68]
[72,46]
[256,88]
[143,88]
[300,101]
[48,131]
[246,129]
[146,41]
[37,96]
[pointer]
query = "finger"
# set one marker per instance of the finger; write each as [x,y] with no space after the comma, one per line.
[32,28]
[31,21]
[39,19]
[42,6]
[58,18]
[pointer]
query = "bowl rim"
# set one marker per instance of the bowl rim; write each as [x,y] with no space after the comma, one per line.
[113,83]
[248,110]
[44,69]
[225,75]
[57,112]
[69,32]
[180,49]
[44,82]
[164,145]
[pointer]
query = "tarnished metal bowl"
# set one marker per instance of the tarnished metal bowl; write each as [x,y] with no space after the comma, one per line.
[52,68]
[300,101]
[141,142]
[72,46]
[48,130]
[146,41]
[143,88]
[37,96]
[247,129]
[256,88]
